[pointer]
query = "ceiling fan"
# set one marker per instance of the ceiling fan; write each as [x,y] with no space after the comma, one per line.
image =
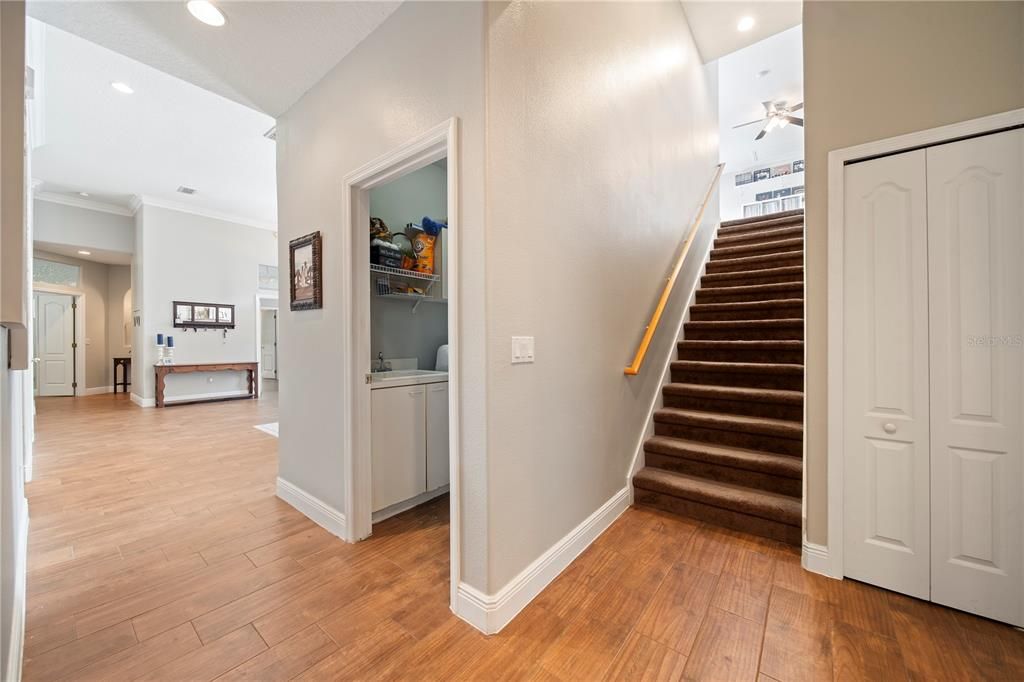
[776,115]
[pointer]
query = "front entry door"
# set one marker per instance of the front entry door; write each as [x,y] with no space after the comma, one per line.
[55,335]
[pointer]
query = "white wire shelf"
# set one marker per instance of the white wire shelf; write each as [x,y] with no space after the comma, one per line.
[399,272]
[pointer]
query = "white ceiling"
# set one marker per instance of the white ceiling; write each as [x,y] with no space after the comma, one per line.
[741,91]
[714,23]
[169,133]
[266,56]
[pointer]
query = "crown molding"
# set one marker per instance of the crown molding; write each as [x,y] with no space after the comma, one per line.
[144,200]
[81,202]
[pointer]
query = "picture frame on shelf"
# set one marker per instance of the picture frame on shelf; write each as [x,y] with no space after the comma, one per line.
[305,272]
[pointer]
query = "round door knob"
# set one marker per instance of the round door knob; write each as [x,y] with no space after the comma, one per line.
[889,427]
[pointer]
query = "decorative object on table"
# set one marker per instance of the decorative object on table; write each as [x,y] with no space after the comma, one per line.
[159,348]
[169,351]
[305,270]
[196,316]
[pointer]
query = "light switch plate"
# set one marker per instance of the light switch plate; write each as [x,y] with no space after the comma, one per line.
[522,349]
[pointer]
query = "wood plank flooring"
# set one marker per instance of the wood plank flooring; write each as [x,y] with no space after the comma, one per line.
[158,551]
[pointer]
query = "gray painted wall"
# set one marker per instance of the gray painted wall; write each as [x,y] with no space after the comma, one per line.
[433,55]
[932,63]
[188,257]
[82,227]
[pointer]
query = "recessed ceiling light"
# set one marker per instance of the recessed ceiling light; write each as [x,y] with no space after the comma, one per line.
[85,253]
[83,194]
[123,88]
[746,23]
[206,12]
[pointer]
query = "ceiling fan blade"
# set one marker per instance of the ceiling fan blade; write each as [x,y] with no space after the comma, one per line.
[795,121]
[796,107]
[750,123]
[768,106]
[764,131]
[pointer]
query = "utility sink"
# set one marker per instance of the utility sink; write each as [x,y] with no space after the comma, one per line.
[406,377]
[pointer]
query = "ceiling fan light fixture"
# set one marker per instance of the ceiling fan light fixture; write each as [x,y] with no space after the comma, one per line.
[745,24]
[206,12]
[122,87]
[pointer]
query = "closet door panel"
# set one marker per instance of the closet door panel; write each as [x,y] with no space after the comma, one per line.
[976,293]
[886,467]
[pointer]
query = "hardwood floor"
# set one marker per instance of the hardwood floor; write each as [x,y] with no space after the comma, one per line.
[158,551]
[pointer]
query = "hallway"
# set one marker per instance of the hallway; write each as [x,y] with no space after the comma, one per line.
[159,551]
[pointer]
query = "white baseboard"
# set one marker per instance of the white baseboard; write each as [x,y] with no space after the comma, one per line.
[490,613]
[814,558]
[16,645]
[172,399]
[406,505]
[98,390]
[318,511]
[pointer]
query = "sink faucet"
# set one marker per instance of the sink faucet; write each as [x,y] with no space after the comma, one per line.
[381,365]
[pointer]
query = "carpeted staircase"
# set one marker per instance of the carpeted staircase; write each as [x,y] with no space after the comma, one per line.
[728,444]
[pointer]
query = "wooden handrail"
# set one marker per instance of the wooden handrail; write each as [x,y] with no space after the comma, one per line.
[641,352]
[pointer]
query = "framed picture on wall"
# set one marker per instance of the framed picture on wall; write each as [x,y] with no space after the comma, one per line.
[305,272]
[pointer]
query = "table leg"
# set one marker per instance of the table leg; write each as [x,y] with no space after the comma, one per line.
[159,389]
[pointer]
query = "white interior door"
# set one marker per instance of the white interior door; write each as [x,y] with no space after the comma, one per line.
[55,331]
[268,344]
[976,253]
[885,475]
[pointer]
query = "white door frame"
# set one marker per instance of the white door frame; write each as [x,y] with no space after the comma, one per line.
[79,351]
[435,144]
[267,301]
[837,160]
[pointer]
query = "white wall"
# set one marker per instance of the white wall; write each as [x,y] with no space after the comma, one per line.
[187,257]
[119,311]
[433,55]
[601,142]
[928,64]
[82,227]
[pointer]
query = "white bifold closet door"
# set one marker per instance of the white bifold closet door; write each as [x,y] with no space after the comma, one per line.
[886,527]
[934,363]
[976,293]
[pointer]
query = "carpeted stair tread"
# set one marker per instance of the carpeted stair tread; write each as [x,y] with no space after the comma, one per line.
[743,345]
[753,292]
[769,234]
[794,214]
[748,324]
[729,229]
[752,262]
[780,428]
[723,455]
[742,250]
[729,306]
[735,498]
[739,367]
[774,395]
[731,279]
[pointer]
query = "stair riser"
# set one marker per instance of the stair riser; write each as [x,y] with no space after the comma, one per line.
[789,382]
[725,474]
[720,517]
[786,312]
[763,262]
[790,411]
[739,439]
[744,333]
[796,277]
[768,247]
[771,235]
[738,355]
[723,295]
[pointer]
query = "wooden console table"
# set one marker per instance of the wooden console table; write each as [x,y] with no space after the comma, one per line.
[125,364]
[250,368]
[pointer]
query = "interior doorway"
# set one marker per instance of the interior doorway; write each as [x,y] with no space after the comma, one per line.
[268,344]
[55,344]
[424,399]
